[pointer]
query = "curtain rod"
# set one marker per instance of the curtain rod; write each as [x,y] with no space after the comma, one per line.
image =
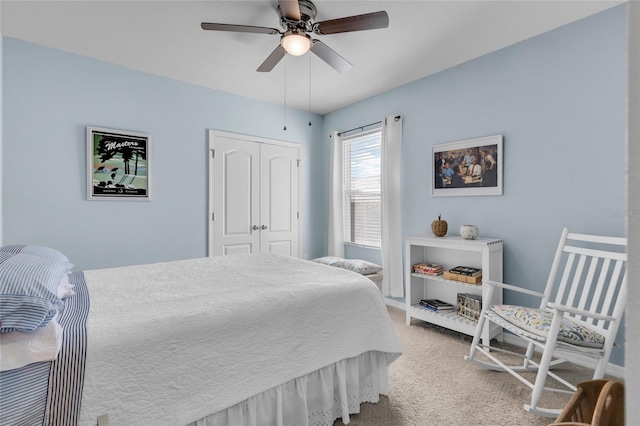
[396,118]
[359,128]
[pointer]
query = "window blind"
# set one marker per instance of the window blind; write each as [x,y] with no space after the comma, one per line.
[361,188]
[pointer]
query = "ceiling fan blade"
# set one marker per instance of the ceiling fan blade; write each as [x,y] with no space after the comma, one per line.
[238,28]
[272,60]
[290,9]
[368,21]
[330,56]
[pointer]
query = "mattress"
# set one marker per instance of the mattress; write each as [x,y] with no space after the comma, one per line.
[174,342]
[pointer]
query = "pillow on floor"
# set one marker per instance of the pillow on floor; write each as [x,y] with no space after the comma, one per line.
[538,322]
[356,265]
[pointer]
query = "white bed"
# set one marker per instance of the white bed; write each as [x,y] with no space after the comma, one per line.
[243,339]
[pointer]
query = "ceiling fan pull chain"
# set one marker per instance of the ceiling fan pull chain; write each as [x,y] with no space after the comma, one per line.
[285,98]
[309,90]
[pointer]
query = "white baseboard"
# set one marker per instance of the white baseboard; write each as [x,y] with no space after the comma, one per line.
[612,369]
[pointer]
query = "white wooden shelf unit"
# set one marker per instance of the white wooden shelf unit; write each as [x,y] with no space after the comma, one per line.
[451,251]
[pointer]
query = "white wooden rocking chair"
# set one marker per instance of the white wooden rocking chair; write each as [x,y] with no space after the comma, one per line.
[579,314]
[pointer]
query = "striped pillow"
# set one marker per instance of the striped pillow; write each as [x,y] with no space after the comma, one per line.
[38,251]
[28,291]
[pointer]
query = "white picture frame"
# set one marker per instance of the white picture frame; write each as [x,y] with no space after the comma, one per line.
[118,165]
[454,174]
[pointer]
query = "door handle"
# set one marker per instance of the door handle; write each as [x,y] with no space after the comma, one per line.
[263,227]
[256,227]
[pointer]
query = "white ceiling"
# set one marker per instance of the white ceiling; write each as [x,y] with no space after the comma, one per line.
[165,38]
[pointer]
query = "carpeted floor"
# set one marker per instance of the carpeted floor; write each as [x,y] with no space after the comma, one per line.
[432,384]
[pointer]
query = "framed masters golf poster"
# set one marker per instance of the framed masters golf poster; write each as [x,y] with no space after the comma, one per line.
[118,164]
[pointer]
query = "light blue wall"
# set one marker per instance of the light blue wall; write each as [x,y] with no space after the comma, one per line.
[51,96]
[559,100]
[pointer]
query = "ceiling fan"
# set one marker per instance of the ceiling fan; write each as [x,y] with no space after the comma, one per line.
[297,19]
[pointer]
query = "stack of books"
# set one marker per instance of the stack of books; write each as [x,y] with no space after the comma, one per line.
[466,271]
[436,305]
[465,274]
[428,268]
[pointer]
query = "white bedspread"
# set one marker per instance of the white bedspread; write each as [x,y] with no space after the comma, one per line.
[172,342]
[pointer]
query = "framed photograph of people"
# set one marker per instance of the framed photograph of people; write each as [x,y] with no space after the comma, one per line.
[468,167]
[118,165]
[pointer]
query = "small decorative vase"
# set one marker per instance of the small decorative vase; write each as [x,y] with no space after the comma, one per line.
[439,227]
[469,232]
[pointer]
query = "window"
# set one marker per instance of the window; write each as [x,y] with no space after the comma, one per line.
[361,188]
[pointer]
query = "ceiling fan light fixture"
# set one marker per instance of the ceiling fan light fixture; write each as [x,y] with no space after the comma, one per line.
[297,19]
[296,44]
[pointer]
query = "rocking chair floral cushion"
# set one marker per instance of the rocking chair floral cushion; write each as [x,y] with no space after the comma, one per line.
[538,321]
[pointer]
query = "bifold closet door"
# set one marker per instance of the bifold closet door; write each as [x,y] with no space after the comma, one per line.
[236,195]
[255,197]
[279,199]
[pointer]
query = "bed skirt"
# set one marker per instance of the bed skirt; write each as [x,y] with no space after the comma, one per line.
[318,398]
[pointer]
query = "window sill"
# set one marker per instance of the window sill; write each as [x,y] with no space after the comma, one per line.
[362,246]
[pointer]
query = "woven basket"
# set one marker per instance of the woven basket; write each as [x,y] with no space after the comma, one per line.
[439,228]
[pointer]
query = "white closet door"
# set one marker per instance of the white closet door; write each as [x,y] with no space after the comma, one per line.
[279,199]
[253,195]
[236,196]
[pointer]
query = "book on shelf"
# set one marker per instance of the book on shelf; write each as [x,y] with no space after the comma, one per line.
[466,270]
[428,268]
[428,273]
[436,305]
[469,306]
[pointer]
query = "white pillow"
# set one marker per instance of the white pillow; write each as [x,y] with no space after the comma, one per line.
[65,289]
[356,265]
[18,349]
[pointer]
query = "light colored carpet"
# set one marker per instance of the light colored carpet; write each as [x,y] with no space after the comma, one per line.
[432,384]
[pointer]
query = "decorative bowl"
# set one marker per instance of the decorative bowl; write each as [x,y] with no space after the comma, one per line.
[469,232]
